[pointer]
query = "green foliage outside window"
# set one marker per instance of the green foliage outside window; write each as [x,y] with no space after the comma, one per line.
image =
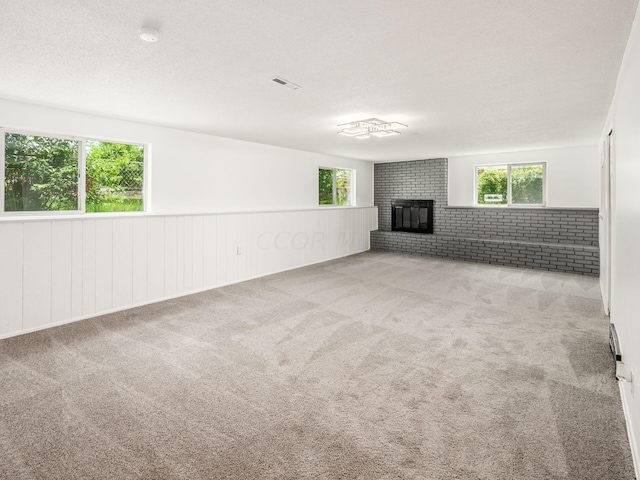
[115,174]
[343,187]
[334,187]
[527,185]
[325,184]
[492,181]
[41,174]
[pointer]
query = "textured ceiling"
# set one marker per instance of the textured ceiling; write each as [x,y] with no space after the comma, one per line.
[466,77]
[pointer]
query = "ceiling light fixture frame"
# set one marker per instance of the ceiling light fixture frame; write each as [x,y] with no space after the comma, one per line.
[371,127]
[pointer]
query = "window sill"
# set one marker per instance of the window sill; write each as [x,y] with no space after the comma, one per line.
[94,216]
[16,217]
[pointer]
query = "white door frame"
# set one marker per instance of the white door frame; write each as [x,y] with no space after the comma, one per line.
[605,217]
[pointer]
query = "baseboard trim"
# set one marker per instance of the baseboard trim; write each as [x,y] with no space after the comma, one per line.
[170,297]
[635,455]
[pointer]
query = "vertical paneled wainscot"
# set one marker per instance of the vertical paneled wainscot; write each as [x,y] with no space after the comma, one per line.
[58,270]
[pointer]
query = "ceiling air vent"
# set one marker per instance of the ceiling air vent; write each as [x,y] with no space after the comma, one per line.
[286,83]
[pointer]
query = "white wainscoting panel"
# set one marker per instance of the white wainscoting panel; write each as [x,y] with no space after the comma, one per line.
[122,262]
[76,269]
[140,268]
[88,267]
[36,279]
[197,255]
[155,258]
[104,265]
[170,256]
[11,277]
[59,270]
[210,250]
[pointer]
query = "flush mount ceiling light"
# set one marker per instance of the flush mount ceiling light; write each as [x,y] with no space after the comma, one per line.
[149,34]
[371,127]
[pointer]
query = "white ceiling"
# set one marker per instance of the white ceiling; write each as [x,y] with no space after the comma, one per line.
[465,76]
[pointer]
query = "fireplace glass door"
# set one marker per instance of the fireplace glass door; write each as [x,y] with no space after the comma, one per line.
[412,216]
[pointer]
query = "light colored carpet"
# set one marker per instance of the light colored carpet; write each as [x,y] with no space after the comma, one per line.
[376,366]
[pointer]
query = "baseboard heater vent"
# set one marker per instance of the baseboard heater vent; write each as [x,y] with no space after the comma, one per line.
[613,343]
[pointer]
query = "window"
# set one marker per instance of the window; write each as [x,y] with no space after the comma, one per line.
[115,177]
[44,173]
[516,184]
[40,173]
[336,186]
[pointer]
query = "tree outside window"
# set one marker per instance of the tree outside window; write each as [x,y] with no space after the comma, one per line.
[335,186]
[42,174]
[517,184]
[115,174]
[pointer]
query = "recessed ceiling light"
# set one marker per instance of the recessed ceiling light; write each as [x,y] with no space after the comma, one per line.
[371,127]
[149,34]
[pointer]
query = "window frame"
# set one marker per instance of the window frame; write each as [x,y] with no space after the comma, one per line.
[510,203]
[352,187]
[146,173]
[82,174]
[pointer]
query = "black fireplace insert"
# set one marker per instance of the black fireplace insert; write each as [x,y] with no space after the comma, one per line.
[412,216]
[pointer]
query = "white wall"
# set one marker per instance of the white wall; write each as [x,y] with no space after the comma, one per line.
[572,175]
[193,172]
[624,117]
[65,269]
[59,269]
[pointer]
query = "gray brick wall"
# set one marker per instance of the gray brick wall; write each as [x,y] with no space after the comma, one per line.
[420,179]
[547,239]
[566,226]
[553,257]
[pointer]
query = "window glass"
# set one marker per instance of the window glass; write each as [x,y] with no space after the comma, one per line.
[335,186]
[511,184]
[51,173]
[115,177]
[325,184]
[527,185]
[492,185]
[40,173]
[343,187]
